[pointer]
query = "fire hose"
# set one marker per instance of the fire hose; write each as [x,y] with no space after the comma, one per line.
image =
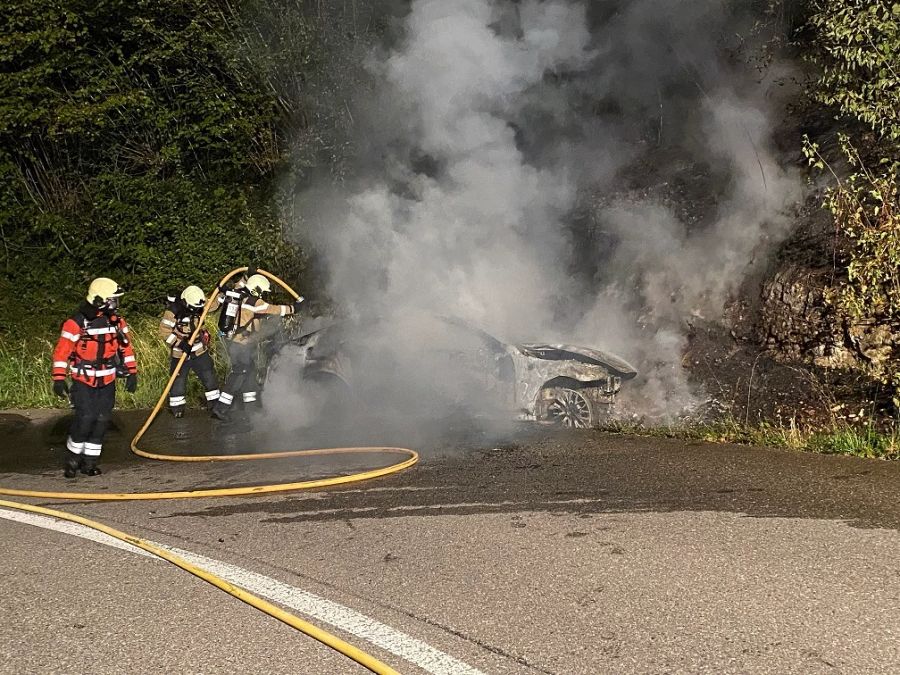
[411,457]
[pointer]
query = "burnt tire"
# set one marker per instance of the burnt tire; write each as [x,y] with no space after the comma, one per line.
[569,408]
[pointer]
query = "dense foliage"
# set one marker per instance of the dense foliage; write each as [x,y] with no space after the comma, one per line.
[138,140]
[856,46]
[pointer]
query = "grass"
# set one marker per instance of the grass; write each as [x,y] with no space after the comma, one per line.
[25,370]
[840,439]
[865,442]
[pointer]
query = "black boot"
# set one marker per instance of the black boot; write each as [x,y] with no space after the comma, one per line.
[220,412]
[89,466]
[178,412]
[71,466]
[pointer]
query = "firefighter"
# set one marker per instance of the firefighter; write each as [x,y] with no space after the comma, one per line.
[240,322]
[178,323]
[94,346]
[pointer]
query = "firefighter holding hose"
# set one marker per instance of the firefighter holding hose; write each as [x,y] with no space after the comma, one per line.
[95,348]
[176,326]
[243,309]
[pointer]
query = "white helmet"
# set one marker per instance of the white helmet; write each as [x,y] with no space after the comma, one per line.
[102,291]
[258,284]
[193,297]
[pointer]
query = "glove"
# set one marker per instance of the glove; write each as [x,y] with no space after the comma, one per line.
[298,302]
[251,270]
[185,346]
[60,388]
[131,383]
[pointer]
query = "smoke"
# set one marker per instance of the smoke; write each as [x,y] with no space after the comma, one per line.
[475,231]
[556,171]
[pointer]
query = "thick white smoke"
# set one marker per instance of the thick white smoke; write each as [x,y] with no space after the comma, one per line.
[480,239]
[488,123]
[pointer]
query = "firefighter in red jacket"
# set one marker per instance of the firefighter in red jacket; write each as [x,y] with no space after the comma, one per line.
[94,346]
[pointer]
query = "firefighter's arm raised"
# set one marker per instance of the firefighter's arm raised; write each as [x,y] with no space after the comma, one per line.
[265,308]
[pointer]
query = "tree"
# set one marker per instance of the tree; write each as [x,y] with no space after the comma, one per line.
[137,140]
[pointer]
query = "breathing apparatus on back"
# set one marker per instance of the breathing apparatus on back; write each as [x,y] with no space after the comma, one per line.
[255,286]
[231,301]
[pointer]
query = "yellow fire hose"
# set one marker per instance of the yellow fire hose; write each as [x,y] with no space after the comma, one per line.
[291,620]
[326,638]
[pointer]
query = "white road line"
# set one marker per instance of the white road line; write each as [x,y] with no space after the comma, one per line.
[390,639]
[456,505]
[319,496]
[75,529]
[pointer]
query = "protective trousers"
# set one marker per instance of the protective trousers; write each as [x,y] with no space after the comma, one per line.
[93,411]
[242,378]
[203,366]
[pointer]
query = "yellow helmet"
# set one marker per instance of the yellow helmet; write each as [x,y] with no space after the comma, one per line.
[102,290]
[193,297]
[257,284]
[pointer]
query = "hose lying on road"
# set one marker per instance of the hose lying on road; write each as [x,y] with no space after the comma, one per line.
[322,636]
[332,641]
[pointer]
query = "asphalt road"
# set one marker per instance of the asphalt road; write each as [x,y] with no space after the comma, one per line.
[535,552]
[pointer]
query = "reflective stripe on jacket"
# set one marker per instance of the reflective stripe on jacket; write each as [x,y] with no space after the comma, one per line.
[92,348]
[253,310]
[176,325]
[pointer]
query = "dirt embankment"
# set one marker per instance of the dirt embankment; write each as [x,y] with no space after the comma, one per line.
[783,352]
[786,353]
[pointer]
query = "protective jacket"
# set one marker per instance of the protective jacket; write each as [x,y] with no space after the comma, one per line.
[249,318]
[93,346]
[177,324]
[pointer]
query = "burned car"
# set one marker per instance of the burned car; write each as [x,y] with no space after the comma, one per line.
[443,362]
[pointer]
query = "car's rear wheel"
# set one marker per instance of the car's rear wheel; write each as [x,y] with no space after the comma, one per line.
[569,408]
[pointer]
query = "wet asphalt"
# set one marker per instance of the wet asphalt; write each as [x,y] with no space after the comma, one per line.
[522,551]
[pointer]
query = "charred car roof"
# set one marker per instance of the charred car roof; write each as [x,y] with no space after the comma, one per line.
[334,334]
[558,352]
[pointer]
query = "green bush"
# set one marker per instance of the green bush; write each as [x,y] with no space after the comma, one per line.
[855,44]
[138,140]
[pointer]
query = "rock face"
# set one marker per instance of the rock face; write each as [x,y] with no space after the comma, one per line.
[877,345]
[798,321]
[798,318]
